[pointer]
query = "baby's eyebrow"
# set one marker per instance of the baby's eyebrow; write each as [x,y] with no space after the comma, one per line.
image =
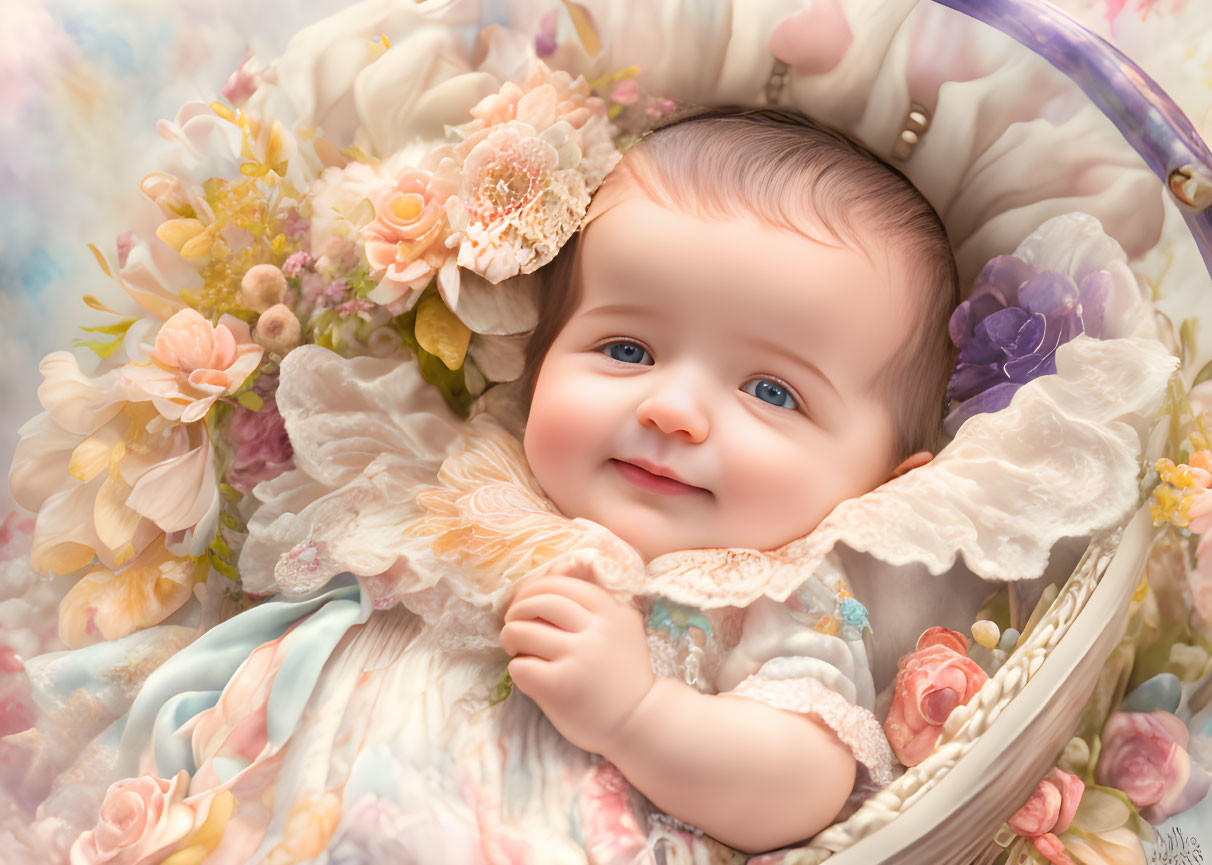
[796,359]
[617,309]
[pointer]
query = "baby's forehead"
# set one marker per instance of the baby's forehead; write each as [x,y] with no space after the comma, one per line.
[789,210]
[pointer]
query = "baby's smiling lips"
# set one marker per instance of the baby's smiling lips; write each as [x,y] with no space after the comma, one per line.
[653,478]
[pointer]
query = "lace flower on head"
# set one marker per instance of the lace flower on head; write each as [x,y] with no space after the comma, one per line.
[530,159]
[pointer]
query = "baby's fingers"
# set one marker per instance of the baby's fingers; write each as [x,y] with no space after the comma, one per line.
[557,610]
[531,638]
[589,595]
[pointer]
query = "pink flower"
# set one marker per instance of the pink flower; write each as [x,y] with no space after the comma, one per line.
[194,364]
[260,446]
[1144,755]
[141,820]
[15,534]
[1199,512]
[930,683]
[404,240]
[16,697]
[1049,812]
[626,92]
[242,83]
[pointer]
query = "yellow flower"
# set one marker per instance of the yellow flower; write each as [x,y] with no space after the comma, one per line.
[108,604]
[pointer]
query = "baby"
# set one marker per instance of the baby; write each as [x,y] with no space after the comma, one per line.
[752,329]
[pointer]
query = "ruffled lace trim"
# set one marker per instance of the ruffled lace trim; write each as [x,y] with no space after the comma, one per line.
[855,726]
[408,499]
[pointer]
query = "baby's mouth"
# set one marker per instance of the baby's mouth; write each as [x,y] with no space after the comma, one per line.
[654,479]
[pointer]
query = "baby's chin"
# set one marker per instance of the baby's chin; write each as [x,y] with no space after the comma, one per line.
[651,548]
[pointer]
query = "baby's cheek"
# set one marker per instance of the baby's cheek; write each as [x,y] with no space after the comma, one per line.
[556,428]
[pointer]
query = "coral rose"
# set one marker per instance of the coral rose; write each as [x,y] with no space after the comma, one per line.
[1049,812]
[1051,807]
[930,683]
[141,820]
[1144,755]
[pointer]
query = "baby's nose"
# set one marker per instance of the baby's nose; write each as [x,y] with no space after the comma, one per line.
[675,409]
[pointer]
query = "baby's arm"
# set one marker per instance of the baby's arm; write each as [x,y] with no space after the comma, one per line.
[753,776]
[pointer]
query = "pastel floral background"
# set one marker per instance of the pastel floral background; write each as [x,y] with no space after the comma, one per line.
[84,82]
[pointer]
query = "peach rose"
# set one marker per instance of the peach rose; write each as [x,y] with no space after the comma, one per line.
[404,240]
[1144,755]
[142,819]
[930,683]
[194,364]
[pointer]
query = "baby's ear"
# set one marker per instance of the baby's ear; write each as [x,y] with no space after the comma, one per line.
[910,463]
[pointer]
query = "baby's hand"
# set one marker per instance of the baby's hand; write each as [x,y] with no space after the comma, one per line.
[579,653]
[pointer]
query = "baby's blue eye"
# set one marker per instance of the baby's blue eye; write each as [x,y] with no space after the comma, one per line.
[767,391]
[627,352]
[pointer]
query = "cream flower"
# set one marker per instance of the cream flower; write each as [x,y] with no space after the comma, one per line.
[520,205]
[107,472]
[194,363]
[530,159]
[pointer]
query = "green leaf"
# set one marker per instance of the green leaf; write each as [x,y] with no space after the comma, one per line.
[250,400]
[223,567]
[1203,375]
[1186,337]
[502,689]
[220,548]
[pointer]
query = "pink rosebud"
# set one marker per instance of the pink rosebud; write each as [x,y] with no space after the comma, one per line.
[1052,849]
[1051,807]
[1144,755]
[930,683]
[545,42]
[126,242]
[626,92]
[242,83]
[662,107]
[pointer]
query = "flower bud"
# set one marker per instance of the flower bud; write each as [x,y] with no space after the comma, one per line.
[263,286]
[278,329]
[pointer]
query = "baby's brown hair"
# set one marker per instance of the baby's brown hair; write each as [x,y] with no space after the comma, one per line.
[794,173]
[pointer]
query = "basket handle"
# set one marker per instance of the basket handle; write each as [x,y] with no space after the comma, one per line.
[1142,112]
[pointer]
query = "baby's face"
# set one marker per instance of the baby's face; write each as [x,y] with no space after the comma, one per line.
[716,386]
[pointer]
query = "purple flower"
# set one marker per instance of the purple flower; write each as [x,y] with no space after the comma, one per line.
[1008,331]
[260,448]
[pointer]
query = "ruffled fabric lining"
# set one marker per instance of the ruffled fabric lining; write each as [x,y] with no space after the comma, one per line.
[1060,461]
